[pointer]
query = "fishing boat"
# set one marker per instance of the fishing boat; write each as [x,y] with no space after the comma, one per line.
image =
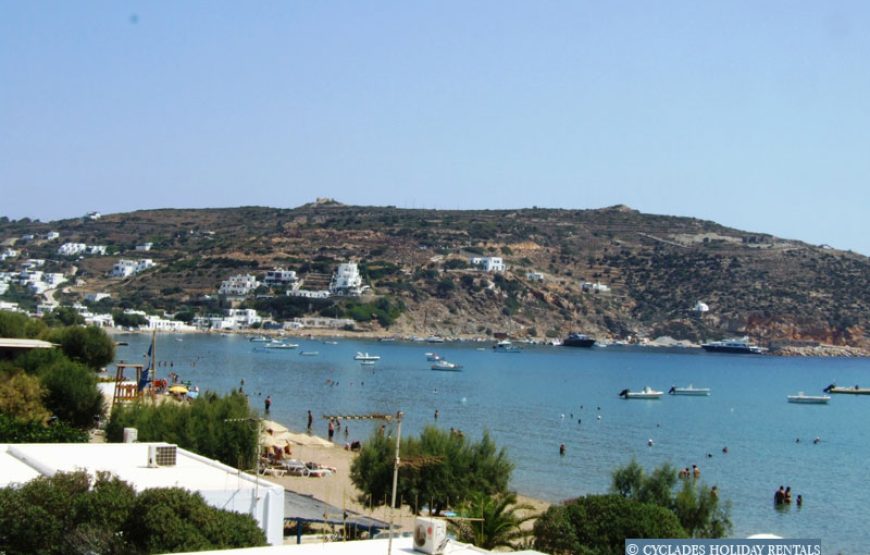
[365,357]
[803,399]
[690,390]
[446,366]
[834,388]
[646,393]
[505,346]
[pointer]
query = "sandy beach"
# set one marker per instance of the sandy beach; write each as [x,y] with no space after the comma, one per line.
[338,490]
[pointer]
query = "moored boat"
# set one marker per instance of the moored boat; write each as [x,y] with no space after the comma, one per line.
[280,345]
[446,365]
[432,357]
[646,393]
[740,346]
[578,340]
[505,346]
[834,388]
[801,398]
[308,353]
[259,339]
[365,357]
[690,390]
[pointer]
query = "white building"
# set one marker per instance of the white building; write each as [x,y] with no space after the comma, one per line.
[4,287]
[244,317]
[144,264]
[33,263]
[306,294]
[221,486]
[214,323]
[28,237]
[700,308]
[93,216]
[144,247]
[8,253]
[52,235]
[124,268]
[239,285]
[488,263]
[97,250]
[71,249]
[96,297]
[280,276]
[346,280]
[534,276]
[159,323]
[595,287]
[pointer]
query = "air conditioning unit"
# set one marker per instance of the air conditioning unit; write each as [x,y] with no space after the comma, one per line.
[161,455]
[430,535]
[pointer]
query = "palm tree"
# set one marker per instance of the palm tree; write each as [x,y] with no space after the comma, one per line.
[501,522]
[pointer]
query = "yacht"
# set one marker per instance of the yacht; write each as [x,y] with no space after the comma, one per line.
[645,393]
[690,390]
[578,340]
[365,357]
[446,365]
[505,346]
[736,346]
[809,399]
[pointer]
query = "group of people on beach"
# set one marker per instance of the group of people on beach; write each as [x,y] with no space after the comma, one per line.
[782,496]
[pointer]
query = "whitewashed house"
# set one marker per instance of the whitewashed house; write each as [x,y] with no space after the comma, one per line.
[244,317]
[8,253]
[33,263]
[97,250]
[144,264]
[535,276]
[52,235]
[239,285]
[595,287]
[96,297]
[144,247]
[488,263]
[346,280]
[124,268]
[93,216]
[280,276]
[71,249]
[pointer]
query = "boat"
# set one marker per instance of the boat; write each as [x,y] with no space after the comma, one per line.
[259,339]
[432,357]
[367,362]
[734,346]
[434,339]
[446,365]
[578,340]
[505,346]
[834,388]
[809,399]
[366,357]
[690,390]
[308,353]
[646,393]
[280,345]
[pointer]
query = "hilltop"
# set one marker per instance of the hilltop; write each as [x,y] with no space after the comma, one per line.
[654,270]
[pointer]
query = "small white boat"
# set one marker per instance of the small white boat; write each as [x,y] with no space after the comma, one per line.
[259,339]
[645,393]
[505,346]
[801,398]
[308,353]
[446,365]
[434,339]
[280,345]
[432,357]
[366,357]
[690,390]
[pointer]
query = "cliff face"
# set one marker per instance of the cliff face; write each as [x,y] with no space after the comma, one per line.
[654,269]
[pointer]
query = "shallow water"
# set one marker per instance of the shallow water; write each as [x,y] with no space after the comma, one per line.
[531,402]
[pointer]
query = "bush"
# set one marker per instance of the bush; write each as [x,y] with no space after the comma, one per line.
[72,393]
[91,345]
[13,430]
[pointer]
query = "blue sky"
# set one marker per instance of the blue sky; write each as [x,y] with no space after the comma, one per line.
[752,114]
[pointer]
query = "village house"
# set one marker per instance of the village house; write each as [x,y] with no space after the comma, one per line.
[488,263]
[280,276]
[239,285]
[71,249]
[346,280]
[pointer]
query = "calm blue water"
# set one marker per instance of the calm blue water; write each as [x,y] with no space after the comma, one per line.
[521,400]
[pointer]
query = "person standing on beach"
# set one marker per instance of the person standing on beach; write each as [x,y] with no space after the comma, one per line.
[268,403]
[331,429]
[310,421]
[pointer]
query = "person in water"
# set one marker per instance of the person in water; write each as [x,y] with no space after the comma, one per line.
[268,403]
[779,496]
[787,497]
[562,449]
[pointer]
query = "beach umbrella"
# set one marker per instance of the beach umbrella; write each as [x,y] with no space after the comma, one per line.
[178,388]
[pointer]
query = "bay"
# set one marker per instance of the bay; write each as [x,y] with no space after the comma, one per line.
[534,401]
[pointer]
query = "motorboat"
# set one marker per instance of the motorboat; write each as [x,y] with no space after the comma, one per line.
[365,357]
[259,339]
[280,345]
[739,346]
[690,390]
[434,339]
[446,365]
[646,393]
[505,346]
[833,388]
[432,357]
[308,353]
[803,399]
[578,340]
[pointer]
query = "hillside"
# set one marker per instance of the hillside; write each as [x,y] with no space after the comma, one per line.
[657,268]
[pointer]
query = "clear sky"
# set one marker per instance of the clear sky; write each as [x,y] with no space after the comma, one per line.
[752,114]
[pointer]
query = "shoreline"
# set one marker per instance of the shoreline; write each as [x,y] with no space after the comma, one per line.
[818,351]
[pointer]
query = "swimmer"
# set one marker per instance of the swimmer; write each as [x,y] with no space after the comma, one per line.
[649,442]
[562,449]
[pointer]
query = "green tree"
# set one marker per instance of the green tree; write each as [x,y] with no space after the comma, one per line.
[17,325]
[64,316]
[502,521]
[90,345]
[599,524]
[222,428]
[443,469]
[21,396]
[72,393]
[126,320]
[696,505]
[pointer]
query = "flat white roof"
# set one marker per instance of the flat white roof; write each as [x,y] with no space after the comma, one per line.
[361,547]
[11,343]
[128,461]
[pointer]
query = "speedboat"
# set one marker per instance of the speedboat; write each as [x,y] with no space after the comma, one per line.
[578,340]
[446,365]
[734,346]
[280,345]
[365,357]
[259,339]
[690,390]
[308,353]
[505,346]
[833,388]
[809,399]
[432,357]
[434,339]
[645,393]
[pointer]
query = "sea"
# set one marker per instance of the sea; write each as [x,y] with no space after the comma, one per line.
[745,437]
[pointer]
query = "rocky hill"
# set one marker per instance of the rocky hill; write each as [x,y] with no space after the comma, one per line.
[416,261]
